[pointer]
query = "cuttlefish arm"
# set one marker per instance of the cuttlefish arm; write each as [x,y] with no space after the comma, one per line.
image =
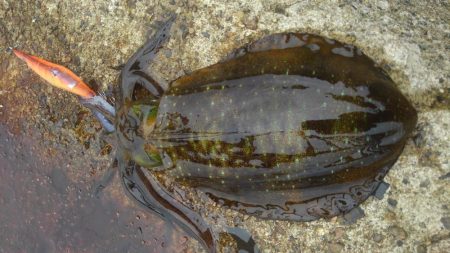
[63,78]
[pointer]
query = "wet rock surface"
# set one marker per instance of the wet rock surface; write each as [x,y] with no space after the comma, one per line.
[52,151]
[49,204]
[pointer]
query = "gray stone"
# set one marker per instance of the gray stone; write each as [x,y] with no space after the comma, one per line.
[446,222]
[421,249]
[392,202]
[398,232]
[377,237]
[336,248]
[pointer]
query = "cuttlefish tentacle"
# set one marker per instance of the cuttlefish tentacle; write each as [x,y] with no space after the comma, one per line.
[63,78]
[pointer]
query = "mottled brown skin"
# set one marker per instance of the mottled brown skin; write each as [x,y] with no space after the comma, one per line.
[292,126]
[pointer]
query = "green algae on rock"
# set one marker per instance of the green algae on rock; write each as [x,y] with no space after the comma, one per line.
[293,126]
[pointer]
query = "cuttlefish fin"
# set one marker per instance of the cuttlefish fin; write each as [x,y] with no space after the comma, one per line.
[57,75]
[63,78]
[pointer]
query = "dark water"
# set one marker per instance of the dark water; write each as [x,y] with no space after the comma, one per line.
[49,205]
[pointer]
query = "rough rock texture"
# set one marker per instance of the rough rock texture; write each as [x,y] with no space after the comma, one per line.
[409,39]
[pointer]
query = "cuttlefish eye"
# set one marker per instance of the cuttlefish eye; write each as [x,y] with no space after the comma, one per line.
[144,112]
